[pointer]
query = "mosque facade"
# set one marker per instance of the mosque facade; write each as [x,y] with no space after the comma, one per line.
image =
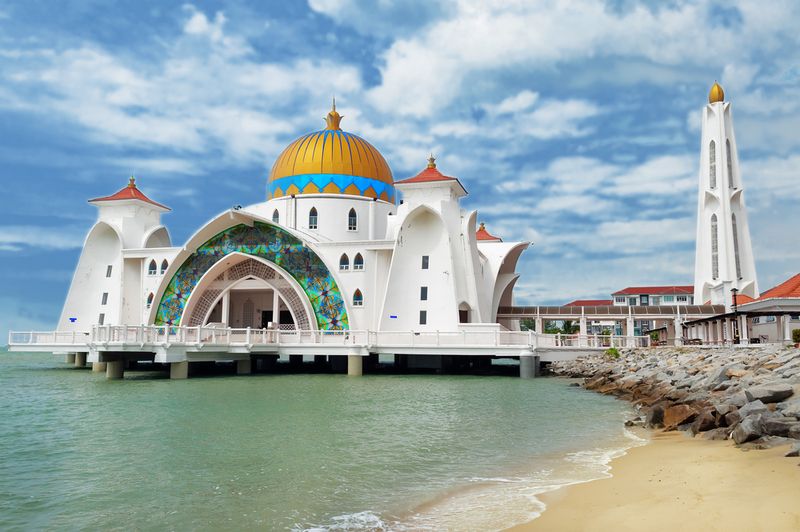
[339,244]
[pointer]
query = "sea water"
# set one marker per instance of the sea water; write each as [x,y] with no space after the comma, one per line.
[291,452]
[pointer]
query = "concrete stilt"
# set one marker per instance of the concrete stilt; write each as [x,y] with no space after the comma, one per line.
[69,358]
[98,367]
[80,360]
[355,365]
[244,367]
[179,370]
[528,366]
[115,369]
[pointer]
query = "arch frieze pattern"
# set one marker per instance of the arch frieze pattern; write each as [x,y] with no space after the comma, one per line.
[272,244]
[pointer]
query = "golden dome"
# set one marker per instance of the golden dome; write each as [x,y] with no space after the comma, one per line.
[716,94]
[331,161]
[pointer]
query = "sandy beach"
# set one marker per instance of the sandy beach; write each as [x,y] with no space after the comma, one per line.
[679,483]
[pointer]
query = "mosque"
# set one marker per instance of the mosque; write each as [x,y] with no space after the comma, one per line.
[333,248]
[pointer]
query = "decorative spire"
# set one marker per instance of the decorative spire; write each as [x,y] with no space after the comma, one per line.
[482,227]
[716,94]
[431,161]
[333,119]
[132,182]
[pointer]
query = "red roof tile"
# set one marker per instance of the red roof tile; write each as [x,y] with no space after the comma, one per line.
[483,235]
[590,303]
[428,175]
[130,192]
[788,288]
[741,299]
[655,290]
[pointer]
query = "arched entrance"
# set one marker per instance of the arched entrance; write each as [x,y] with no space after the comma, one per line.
[243,291]
[269,244]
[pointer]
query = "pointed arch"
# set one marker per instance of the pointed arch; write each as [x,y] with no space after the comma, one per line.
[344,262]
[152,268]
[714,247]
[313,218]
[712,165]
[164,266]
[729,163]
[736,247]
[352,220]
[276,217]
[358,262]
[358,298]
[150,300]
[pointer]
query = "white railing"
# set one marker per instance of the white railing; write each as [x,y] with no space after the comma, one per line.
[163,335]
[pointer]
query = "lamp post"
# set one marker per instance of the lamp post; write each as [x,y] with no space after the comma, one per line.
[735,291]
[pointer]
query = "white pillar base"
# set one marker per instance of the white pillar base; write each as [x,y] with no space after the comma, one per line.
[80,360]
[179,370]
[69,358]
[98,367]
[355,365]
[244,367]
[115,370]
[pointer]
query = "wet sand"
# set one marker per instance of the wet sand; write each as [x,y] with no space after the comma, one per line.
[679,483]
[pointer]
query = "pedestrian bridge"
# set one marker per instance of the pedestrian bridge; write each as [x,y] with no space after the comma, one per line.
[175,345]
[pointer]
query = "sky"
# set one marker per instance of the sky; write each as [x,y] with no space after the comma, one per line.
[573,124]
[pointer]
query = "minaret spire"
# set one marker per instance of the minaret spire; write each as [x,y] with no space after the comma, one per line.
[724,254]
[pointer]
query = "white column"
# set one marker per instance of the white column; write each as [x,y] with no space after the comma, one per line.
[726,328]
[583,330]
[539,324]
[371,232]
[226,308]
[179,370]
[355,365]
[98,367]
[115,369]
[678,331]
[276,308]
[630,331]
[80,360]
[787,328]
[69,358]
[244,367]
[744,335]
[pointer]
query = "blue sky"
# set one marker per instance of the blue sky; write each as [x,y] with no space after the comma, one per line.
[572,124]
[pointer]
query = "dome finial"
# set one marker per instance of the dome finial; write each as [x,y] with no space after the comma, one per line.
[716,94]
[333,119]
[131,182]
[431,161]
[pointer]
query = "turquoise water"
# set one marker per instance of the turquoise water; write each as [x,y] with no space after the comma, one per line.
[290,451]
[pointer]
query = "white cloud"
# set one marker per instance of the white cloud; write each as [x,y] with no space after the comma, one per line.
[18,237]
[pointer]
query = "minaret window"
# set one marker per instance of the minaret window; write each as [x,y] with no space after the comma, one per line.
[164,265]
[108,270]
[712,165]
[358,298]
[425,262]
[152,269]
[358,262]
[276,217]
[150,300]
[312,218]
[104,299]
[344,262]
[714,248]
[736,247]
[352,220]
[730,164]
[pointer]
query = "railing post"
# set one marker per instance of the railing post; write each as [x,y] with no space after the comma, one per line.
[247,336]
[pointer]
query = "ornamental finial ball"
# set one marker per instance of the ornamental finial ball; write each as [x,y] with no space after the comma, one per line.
[333,119]
[431,161]
[716,94]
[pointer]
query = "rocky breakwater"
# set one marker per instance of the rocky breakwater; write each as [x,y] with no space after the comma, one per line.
[748,394]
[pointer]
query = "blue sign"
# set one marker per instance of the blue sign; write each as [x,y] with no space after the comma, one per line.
[73,320]
[392,317]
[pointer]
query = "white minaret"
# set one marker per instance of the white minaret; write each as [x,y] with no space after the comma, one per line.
[724,256]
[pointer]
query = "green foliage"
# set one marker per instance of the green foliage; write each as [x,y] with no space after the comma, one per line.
[612,352]
[527,324]
[796,336]
[570,327]
[606,331]
[654,336]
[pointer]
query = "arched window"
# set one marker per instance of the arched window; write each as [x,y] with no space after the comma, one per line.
[712,165]
[276,217]
[344,262]
[152,269]
[358,298]
[312,218]
[736,247]
[164,265]
[714,248]
[358,262]
[150,300]
[352,220]
[730,163]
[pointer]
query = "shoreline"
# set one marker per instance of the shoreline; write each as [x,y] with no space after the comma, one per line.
[676,481]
